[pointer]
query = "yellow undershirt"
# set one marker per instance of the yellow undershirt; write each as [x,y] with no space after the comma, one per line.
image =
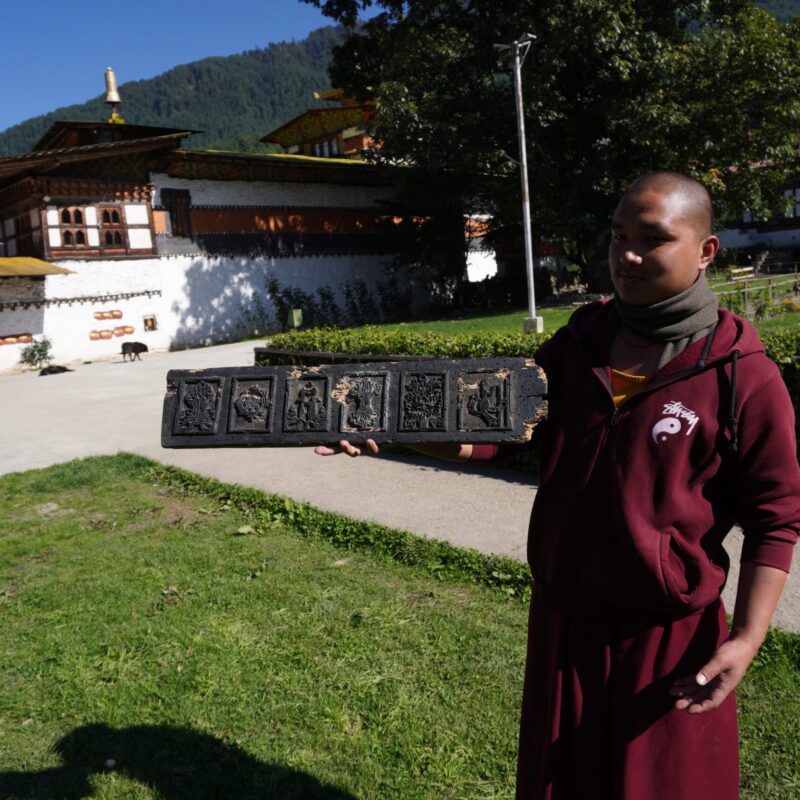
[624,386]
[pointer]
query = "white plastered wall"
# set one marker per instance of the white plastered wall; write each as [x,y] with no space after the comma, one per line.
[214,299]
[254,193]
[203,301]
[749,237]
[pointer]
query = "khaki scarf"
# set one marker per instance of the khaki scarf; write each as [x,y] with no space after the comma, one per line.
[676,322]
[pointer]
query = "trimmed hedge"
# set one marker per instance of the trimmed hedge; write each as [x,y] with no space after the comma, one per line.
[374,339]
[782,347]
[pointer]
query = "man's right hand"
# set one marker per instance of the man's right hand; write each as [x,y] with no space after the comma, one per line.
[348,448]
[444,451]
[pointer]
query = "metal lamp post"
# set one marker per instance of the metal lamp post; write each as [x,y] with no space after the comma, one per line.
[519,49]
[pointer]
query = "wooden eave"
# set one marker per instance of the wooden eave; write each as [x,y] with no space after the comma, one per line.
[64,133]
[28,267]
[275,167]
[317,123]
[42,161]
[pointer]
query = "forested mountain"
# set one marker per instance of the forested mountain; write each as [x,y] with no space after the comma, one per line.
[234,100]
[784,10]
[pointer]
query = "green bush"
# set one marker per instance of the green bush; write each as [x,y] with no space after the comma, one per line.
[37,353]
[373,339]
[783,347]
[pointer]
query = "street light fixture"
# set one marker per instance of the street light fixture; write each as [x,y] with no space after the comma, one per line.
[519,49]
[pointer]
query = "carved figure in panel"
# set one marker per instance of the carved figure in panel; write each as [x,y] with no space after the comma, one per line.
[484,401]
[363,402]
[423,403]
[306,409]
[198,407]
[251,403]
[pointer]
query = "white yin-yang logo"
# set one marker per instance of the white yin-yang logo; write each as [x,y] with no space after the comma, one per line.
[665,428]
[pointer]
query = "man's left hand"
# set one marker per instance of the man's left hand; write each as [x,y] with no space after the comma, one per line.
[705,691]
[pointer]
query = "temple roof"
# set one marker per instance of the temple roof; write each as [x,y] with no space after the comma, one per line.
[318,123]
[40,161]
[65,133]
[220,165]
[162,153]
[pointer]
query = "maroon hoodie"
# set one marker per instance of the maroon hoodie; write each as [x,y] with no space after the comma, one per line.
[634,502]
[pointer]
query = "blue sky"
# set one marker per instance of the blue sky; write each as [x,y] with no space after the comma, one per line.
[54,53]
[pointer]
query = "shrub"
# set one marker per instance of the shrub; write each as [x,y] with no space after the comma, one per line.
[373,339]
[361,305]
[37,354]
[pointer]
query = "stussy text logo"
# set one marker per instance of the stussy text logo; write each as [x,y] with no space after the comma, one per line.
[676,414]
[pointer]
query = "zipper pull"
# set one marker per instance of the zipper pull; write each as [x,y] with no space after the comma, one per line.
[614,417]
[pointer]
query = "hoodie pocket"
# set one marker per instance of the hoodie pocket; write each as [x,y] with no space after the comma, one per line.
[678,570]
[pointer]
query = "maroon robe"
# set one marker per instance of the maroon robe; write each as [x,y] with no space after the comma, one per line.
[626,550]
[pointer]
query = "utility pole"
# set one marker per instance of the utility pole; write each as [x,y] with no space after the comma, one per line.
[519,49]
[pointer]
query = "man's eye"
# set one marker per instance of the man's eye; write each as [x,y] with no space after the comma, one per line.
[617,237]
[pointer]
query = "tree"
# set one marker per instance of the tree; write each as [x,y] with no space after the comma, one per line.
[612,89]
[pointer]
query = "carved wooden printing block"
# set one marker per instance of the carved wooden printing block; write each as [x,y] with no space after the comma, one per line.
[438,400]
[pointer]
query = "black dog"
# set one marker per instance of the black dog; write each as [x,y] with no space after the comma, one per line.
[133,349]
[54,370]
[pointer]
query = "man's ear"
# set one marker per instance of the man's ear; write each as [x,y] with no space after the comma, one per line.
[709,249]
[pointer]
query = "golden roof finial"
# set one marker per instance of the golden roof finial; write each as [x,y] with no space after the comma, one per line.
[112,96]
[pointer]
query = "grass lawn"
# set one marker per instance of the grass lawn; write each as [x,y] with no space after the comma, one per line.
[554,318]
[789,322]
[138,626]
[510,322]
[168,643]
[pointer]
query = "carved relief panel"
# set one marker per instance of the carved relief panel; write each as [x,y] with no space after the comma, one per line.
[363,403]
[307,404]
[198,407]
[439,400]
[483,402]
[252,405]
[423,401]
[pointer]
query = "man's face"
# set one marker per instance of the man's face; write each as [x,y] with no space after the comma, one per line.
[656,250]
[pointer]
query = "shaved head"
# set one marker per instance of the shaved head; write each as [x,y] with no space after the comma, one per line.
[692,197]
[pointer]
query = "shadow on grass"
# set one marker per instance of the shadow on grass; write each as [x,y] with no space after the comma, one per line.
[176,763]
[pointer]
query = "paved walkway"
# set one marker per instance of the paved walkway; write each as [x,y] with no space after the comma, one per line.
[109,406]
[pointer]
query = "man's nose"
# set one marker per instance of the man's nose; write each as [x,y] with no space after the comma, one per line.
[630,258]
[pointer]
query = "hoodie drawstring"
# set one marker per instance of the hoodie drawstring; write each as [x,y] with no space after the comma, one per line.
[733,423]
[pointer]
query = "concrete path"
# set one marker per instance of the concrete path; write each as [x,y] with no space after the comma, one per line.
[109,406]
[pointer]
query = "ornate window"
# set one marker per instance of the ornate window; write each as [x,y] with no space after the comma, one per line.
[73,228]
[112,231]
